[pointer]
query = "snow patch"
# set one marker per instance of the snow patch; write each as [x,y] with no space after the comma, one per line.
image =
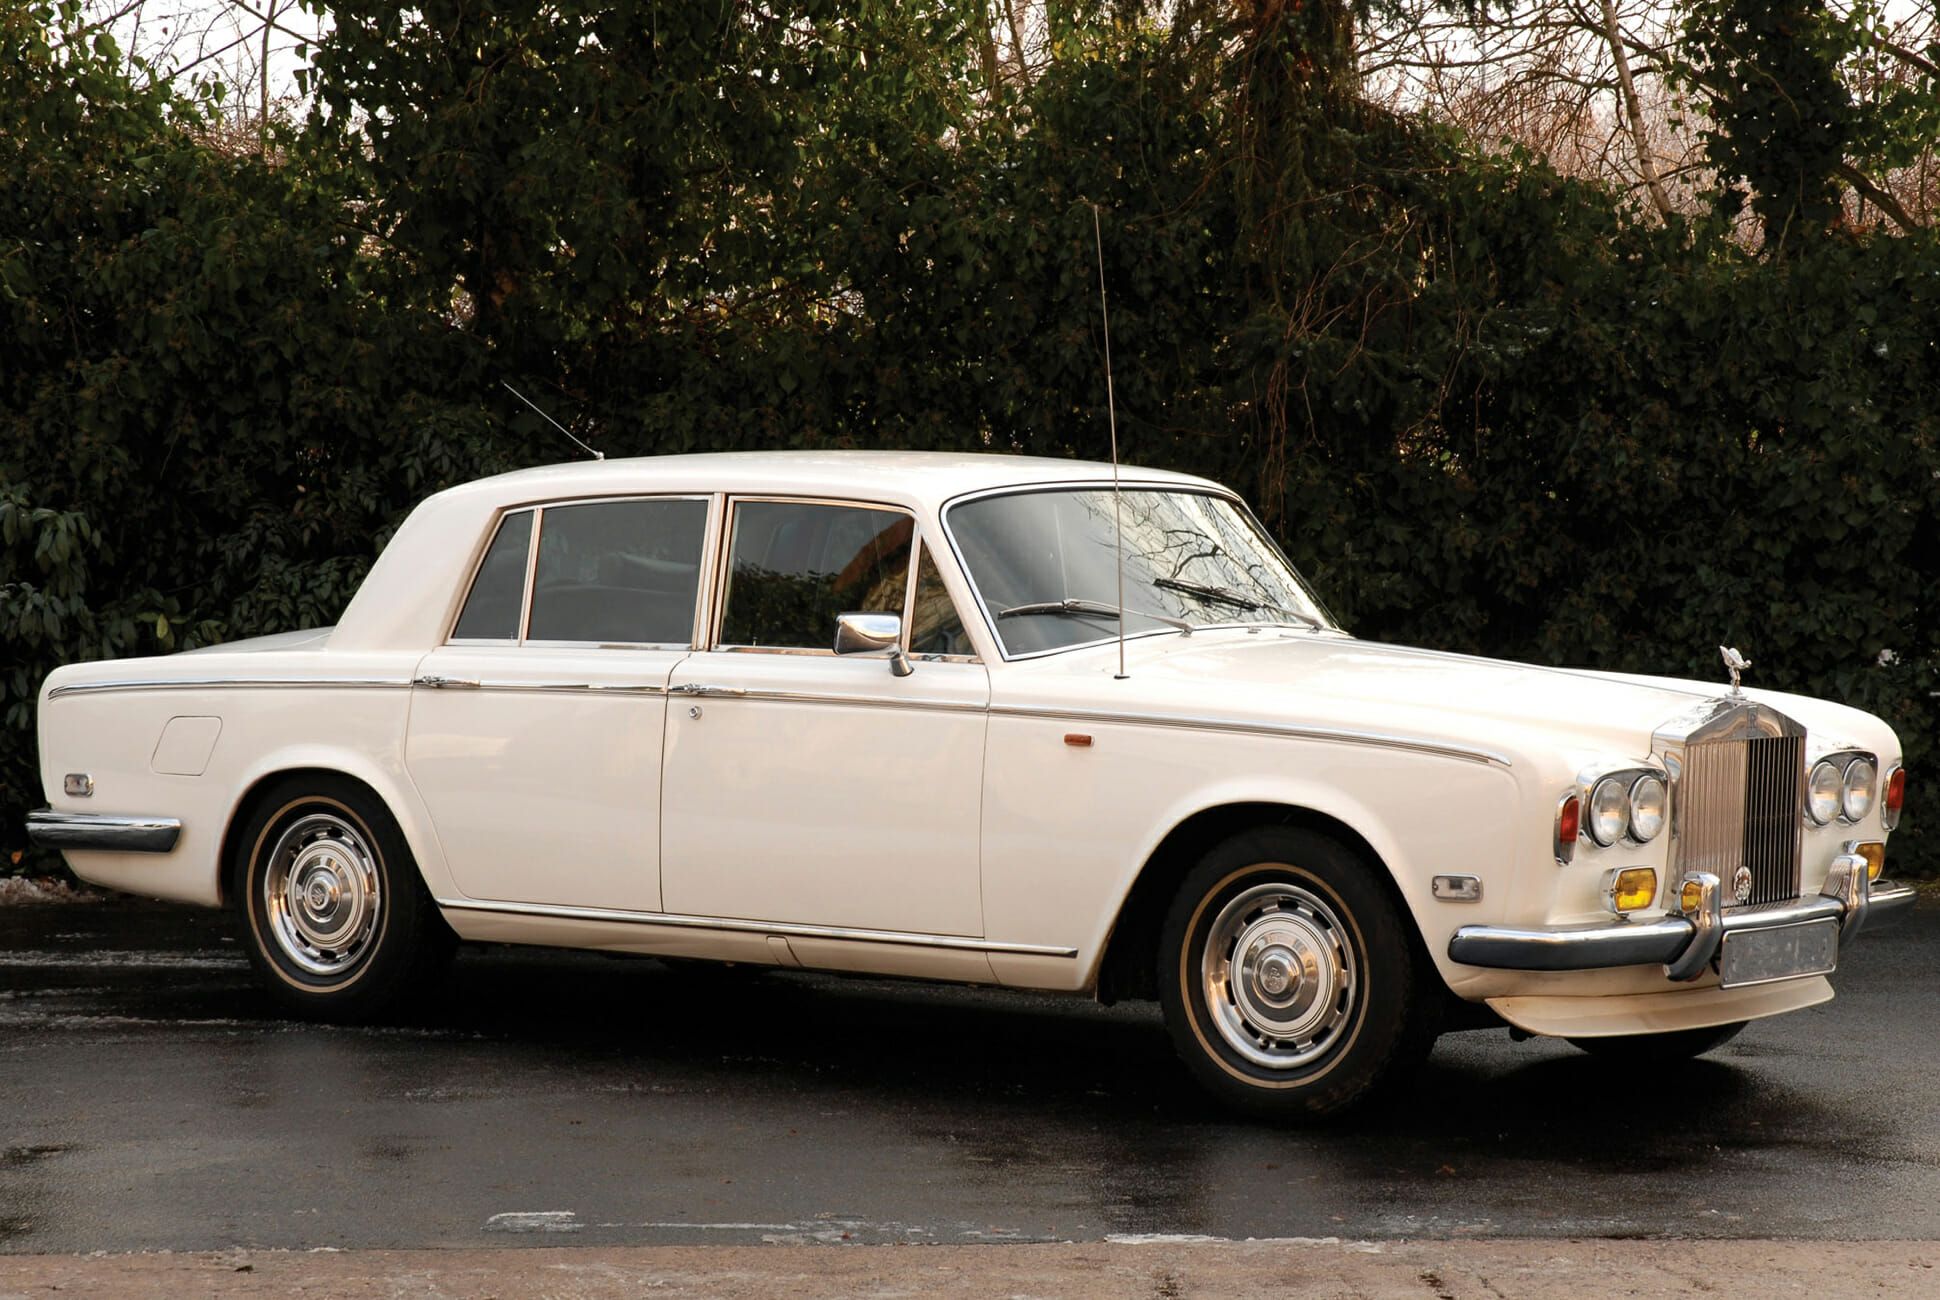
[25,891]
[534,1221]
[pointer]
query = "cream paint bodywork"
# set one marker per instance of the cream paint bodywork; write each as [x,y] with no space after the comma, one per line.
[946,804]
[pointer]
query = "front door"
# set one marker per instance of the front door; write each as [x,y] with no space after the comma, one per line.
[806,788]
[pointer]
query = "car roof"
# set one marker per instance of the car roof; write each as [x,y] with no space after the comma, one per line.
[931,476]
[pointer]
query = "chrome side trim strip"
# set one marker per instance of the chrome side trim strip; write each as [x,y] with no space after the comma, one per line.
[489,686]
[101,832]
[235,683]
[1336,735]
[905,938]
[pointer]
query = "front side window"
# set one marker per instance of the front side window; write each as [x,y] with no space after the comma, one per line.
[1045,564]
[618,572]
[794,566]
[497,596]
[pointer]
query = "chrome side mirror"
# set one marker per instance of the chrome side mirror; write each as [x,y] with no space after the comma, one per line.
[871,634]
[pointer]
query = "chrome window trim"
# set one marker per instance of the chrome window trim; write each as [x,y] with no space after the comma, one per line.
[1141,485]
[484,548]
[531,573]
[538,509]
[922,547]
[604,645]
[725,558]
[905,938]
[235,683]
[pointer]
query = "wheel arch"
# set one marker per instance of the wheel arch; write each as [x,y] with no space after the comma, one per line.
[1126,969]
[272,774]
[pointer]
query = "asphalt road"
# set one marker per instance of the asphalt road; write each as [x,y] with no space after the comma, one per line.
[150,1099]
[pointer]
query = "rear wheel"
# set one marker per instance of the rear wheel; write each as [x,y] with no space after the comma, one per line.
[1657,1049]
[339,924]
[1289,975]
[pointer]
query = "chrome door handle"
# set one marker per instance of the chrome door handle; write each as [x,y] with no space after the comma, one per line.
[437,683]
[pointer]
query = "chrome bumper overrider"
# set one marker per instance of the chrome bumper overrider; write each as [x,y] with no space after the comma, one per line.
[1685,944]
[97,832]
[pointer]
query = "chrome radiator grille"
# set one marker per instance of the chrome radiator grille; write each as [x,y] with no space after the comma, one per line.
[1739,804]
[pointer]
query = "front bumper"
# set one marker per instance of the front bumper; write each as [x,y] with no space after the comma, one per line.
[102,833]
[1686,945]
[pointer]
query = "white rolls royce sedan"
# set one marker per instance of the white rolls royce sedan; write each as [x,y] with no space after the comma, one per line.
[976,718]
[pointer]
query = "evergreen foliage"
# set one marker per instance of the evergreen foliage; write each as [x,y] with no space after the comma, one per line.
[1485,407]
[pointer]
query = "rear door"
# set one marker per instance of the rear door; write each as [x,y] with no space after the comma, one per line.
[536,730]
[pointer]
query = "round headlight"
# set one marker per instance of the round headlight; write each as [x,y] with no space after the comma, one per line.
[1609,811]
[1823,792]
[1646,807]
[1856,800]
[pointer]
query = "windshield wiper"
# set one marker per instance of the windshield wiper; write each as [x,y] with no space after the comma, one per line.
[1087,609]
[1227,596]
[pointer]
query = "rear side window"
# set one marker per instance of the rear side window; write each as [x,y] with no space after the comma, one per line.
[492,608]
[794,566]
[618,572]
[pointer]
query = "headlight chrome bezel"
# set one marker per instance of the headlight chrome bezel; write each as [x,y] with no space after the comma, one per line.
[1605,791]
[1831,788]
[1662,800]
[1850,786]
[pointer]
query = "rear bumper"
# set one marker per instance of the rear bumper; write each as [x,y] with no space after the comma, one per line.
[102,833]
[1684,944]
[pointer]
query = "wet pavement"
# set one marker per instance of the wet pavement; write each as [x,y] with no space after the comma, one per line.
[151,1099]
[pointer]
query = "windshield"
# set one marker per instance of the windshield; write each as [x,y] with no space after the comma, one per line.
[1045,565]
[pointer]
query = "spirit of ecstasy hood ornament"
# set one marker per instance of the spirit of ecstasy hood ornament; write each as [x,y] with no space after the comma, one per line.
[1734,663]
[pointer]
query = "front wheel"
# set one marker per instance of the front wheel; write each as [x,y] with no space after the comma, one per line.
[338,922]
[1289,975]
[1660,1049]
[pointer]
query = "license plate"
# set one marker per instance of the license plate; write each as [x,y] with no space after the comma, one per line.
[1781,952]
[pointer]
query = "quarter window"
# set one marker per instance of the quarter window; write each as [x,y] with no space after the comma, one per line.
[492,608]
[618,572]
[934,627]
[793,566]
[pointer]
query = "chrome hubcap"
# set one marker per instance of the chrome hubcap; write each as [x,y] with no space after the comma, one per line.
[321,894]
[1279,975]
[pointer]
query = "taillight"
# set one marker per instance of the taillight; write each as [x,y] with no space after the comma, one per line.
[1569,821]
[1889,807]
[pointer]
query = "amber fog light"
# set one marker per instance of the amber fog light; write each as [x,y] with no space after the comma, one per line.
[1691,896]
[1874,852]
[1632,889]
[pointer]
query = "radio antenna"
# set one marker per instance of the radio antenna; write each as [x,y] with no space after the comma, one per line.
[1111,409]
[596,455]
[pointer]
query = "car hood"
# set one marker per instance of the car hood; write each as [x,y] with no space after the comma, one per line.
[1305,679]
